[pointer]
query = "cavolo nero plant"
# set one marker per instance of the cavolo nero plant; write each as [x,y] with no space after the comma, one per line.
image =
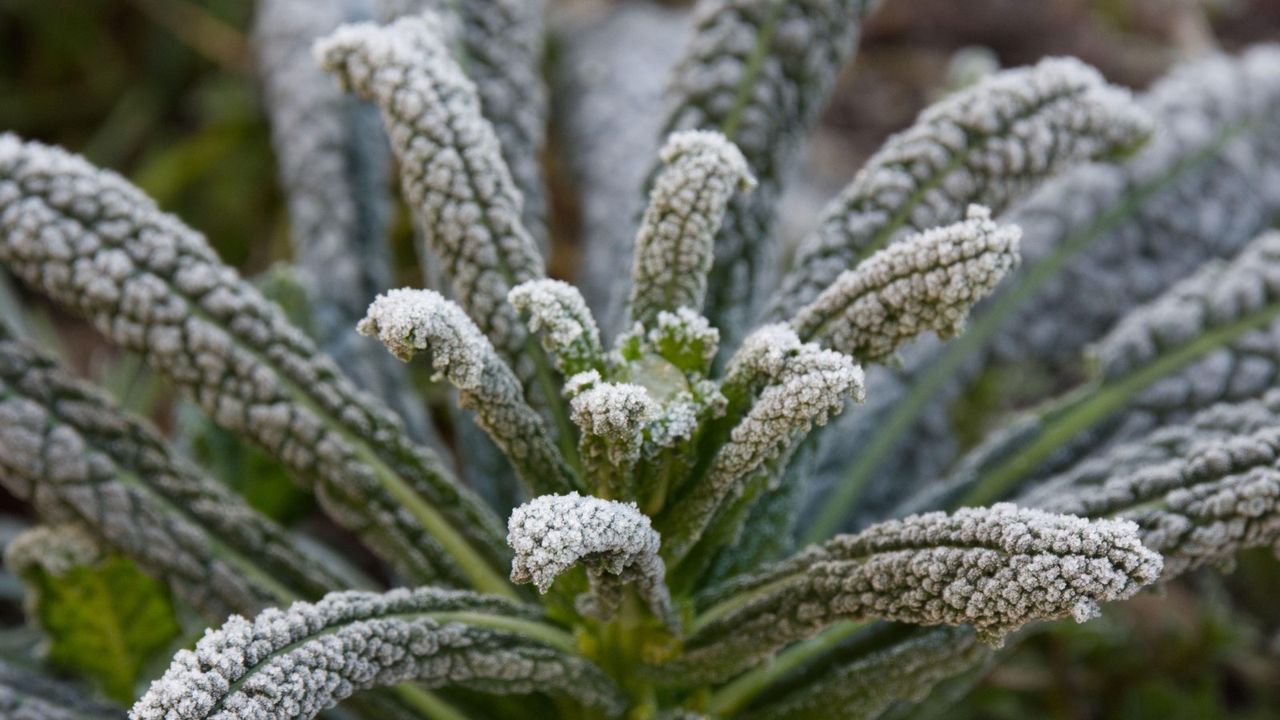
[667,458]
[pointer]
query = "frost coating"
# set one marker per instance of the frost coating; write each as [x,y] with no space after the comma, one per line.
[616,412]
[501,46]
[674,246]
[69,451]
[613,417]
[27,696]
[1201,506]
[990,143]
[925,282]
[557,311]
[333,163]
[94,243]
[1206,430]
[452,171]
[803,385]
[1202,187]
[296,662]
[1217,296]
[553,533]
[758,72]
[994,568]
[410,321]
[1208,339]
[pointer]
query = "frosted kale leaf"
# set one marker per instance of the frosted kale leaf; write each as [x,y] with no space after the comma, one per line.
[451,167]
[413,321]
[988,144]
[613,418]
[66,449]
[994,568]
[613,540]
[759,73]
[1097,239]
[799,385]
[674,247]
[1200,505]
[559,315]
[1181,347]
[500,44]
[925,282]
[296,662]
[1202,187]
[94,243]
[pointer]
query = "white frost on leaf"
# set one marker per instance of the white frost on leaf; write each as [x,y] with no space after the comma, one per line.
[557,311]
[411,321]
[296,662]
[616,413]
[452,172]
[989,144]
[926,282]
[802,385]
[1221,293]
[675,244]
[994,568]
[97,245]
[1197,499]
[760,72]
[553,533]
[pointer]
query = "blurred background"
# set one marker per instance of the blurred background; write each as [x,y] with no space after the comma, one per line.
[164,92]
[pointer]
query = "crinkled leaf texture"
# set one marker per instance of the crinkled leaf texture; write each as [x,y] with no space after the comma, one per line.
[298,661]
[93,242]
[994,568]
[1097,240]
[614,540]
[78,459]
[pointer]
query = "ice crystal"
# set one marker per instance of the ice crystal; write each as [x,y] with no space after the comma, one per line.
[411,321]
[925,282]
[994,568]
[674,247]
[553,533]
[451,167]
[298,661]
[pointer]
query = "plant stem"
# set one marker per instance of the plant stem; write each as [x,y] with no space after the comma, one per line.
[733,697]
[1085,408]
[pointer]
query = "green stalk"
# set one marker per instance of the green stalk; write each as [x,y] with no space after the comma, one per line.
[483,576]
[907,411]
[729,128]
[426,702]
[564,429]
[733,697]
[1090,405]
